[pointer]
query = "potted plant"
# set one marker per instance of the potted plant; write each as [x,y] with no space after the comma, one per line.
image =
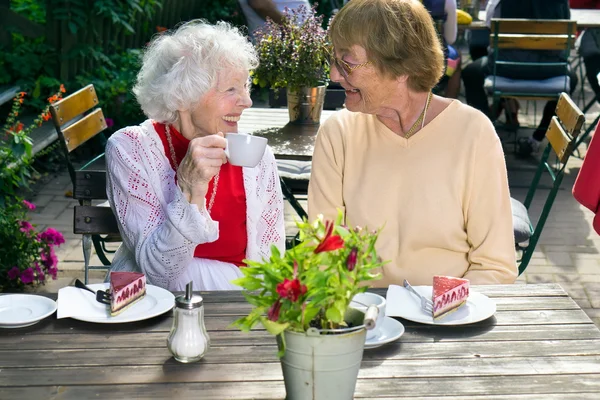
[303,297]
[294,55]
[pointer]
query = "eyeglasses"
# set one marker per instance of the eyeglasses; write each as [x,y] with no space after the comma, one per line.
[344,68]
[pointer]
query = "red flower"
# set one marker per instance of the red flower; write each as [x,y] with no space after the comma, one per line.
[46,116]
[160,28]
[273,313]
[352,258]
[330,242]
[291,289]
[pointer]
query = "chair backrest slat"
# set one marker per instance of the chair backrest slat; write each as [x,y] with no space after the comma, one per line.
[570,116]
[532,34]
[559,139]
[534,26]
[91,220]
[532,42]
[90,185]
[79,102]
[84,129]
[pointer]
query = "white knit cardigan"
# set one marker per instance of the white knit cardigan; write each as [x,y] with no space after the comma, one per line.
[160,229]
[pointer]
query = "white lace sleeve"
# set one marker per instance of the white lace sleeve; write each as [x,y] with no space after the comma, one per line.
[158,225]
[264,199]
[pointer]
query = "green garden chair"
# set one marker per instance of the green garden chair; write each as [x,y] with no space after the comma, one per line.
[529,35]
[562,137]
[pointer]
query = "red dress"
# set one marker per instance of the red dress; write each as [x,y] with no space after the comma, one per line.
[229,207]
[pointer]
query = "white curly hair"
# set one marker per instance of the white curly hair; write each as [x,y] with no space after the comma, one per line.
[179,67]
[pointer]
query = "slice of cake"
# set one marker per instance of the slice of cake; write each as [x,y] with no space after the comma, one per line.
[448,294]
[126,288]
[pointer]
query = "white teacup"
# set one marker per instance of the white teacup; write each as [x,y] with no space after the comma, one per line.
[362,301]
[244,150]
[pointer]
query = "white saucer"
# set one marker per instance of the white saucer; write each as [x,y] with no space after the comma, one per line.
[401,303]
[389,331]
[21,310]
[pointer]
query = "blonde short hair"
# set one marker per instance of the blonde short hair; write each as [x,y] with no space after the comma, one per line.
[398,35]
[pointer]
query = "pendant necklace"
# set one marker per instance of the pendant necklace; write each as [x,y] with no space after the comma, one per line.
[174,159]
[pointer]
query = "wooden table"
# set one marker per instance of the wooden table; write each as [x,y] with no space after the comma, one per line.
[286,140]
[585,19]
[539,344]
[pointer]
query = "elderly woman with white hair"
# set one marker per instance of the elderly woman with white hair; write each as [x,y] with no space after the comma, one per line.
[184,213]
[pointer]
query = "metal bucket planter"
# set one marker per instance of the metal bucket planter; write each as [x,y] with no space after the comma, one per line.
[323,365]
[305,105]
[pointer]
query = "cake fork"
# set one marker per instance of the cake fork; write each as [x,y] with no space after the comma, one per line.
[101,295]
[426,304]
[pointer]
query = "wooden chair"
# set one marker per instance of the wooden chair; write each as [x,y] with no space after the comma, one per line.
[77,119]
[562,137]
[533,35]
[92,220]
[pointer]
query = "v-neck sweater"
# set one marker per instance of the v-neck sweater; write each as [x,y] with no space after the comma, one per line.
[441,197]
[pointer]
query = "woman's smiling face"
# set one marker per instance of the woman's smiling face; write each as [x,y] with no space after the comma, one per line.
[367,89]
[220,108]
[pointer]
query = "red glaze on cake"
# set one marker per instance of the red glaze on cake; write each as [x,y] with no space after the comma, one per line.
[125,289]
[448,294]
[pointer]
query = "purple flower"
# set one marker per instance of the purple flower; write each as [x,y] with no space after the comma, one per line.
[109,122]
[41,277]
[352,259]
[14,273]
[52,236]
[25,226]
[53,271]
[49,259]
[27,276]
[29,205]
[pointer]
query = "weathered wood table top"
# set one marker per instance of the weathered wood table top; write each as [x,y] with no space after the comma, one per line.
[539,344]
[286,140]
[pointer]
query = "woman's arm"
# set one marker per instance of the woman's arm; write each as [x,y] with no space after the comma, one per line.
[161,235]
[488,215]
[450,26]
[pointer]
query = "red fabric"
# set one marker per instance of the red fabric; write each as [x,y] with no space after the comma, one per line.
[229,208]
[587,4]
[586,189]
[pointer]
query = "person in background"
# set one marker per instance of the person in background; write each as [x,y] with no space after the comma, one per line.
[475,73]
[589,48]
[428,169]
[443,13]
[257,11]
[184,212]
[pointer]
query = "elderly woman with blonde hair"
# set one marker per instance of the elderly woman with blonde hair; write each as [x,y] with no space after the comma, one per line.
[427,169]
[184,213]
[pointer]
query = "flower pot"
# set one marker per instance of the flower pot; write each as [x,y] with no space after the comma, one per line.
[321,365]
[305,105]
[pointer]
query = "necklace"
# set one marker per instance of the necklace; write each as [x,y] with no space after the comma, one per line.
[174,158]
[420,120]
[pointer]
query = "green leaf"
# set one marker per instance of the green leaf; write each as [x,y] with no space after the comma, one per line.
[334,315]
[274,328]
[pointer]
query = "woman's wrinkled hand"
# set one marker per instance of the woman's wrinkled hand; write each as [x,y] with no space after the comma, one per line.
[202,162]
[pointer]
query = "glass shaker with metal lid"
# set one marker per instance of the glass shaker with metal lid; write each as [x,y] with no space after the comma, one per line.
[188,340]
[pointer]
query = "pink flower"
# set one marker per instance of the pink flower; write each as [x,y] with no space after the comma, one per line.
[291,289]
[53,271]
[49,259]
[52,236]
[29,205]
[26,227]
[41,277]
[109,122]
[273,313]
[27,276]
[14,273]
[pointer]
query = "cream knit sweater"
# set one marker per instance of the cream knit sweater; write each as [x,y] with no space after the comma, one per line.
[441,196]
